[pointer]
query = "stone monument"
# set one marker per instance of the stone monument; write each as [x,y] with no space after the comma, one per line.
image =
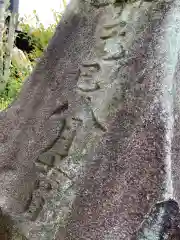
[90,149]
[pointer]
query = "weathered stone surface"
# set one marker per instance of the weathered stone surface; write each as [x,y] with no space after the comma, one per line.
[20,60]
[47,159]
[105,99]
[162,222]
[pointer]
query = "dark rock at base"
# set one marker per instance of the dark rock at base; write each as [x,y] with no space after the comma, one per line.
[161,223]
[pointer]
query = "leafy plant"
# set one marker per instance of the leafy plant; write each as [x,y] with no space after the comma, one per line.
[38,36]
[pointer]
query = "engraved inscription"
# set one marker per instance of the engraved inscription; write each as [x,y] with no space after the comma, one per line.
[47,159]
[52,178]
[108,34]
[88,71]
[64,143]
[97,123]
[35,207]
[57,176]
[42,168]
[101,3]
[61,109]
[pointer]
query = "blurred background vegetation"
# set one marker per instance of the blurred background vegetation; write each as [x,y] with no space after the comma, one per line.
[37,37]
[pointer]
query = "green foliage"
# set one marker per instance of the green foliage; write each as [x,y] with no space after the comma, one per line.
[40,35]
[39,38]
[13,87]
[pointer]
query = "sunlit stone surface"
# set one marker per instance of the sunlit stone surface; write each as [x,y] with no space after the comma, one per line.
[91,149]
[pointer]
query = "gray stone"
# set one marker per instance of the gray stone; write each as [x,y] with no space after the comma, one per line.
[57,176]
[20,60]
[57,161]
[121,157]
[47,159]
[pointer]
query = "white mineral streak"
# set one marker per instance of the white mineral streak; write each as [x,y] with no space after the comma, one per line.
[169,50]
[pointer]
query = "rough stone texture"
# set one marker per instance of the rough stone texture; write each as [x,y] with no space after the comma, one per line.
[92,143]
[46,159]
[162,222]
[20,60]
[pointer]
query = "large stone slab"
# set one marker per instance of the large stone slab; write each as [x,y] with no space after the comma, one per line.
[107,120]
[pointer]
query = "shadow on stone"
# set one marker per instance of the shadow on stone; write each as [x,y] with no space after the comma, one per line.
[161,223]
[8,231]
